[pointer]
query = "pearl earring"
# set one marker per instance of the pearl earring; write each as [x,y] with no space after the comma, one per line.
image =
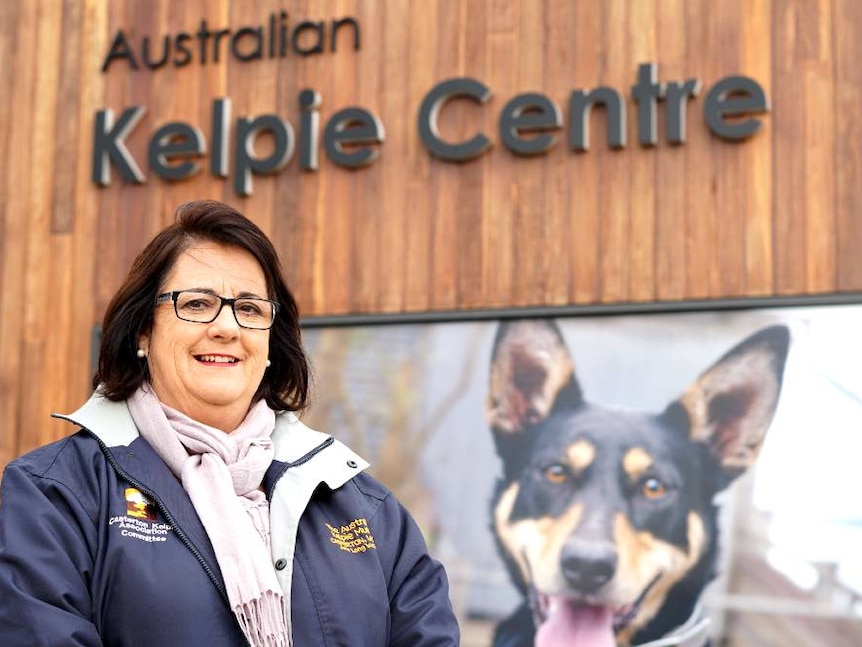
[268,363]
[141,353]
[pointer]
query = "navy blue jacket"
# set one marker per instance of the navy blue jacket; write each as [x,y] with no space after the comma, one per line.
[100,545]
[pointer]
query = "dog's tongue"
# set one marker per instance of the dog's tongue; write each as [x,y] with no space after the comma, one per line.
[572,625]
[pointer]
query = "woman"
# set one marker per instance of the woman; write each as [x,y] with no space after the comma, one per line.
[192,507]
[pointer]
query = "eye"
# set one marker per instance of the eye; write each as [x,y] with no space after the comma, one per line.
[556,473]
[196,305]
[249,308]
[652,488]
[193,302]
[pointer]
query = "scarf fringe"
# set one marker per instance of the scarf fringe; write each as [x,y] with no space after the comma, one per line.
[262,620]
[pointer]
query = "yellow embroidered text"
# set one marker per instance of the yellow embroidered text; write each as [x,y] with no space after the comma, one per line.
[354,537]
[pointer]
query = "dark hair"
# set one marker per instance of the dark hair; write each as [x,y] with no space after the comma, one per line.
[130,312]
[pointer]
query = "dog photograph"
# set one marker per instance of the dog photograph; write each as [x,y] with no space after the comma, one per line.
[626,479]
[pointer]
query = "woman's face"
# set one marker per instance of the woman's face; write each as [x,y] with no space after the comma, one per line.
[210,372]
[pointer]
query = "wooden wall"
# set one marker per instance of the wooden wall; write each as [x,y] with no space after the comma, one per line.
[778,214]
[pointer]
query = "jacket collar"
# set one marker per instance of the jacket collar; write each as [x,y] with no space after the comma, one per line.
[112,423]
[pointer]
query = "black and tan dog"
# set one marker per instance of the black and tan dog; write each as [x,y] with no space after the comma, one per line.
[606,518]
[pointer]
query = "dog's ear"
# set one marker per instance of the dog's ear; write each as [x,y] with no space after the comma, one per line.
[531,369]
[731,405]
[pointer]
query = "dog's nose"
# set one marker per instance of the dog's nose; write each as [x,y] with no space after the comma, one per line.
[588,565]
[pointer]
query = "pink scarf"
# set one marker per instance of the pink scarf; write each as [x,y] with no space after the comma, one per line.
[222,473]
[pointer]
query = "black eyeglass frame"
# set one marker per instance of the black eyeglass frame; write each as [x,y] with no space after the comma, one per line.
[172,296]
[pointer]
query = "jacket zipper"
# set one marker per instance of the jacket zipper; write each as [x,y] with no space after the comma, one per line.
[170,518]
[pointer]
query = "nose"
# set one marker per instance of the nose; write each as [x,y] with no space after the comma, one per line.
[588,565]
[225,321]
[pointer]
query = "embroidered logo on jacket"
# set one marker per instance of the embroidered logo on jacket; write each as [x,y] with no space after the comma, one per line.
[354,537]
[140,521]
[139,506]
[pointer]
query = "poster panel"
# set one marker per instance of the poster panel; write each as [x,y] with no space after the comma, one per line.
[633,478]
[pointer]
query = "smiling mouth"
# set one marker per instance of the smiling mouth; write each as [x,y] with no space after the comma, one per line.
[216,359]
[563,621]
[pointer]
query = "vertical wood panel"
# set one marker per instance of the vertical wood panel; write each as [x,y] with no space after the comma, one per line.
[417,241]
[145,214]
[67,122]
[366,222]
[336,216]
[18,229]
[60,334]
[84,270]
[847,122]
[728,268]
[11,233]
[701,209]
[530,217]
[112,208]
[670,178]
[819,81]
[557,79]
[499,244]
[756,39]
[818,176]
[445,178]
[585,241]
[389,208]
[614,196]
[42,310]
[643,188]
[469,230]
[789,125]
[300,196]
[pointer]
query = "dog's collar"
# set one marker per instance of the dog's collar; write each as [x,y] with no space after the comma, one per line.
[694,632]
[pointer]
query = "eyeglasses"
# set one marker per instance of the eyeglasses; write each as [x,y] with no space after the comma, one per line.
[204,307]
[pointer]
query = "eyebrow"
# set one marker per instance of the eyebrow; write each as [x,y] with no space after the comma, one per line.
[241,295]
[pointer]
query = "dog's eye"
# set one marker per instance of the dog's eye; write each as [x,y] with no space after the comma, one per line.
[556,473]
[652,488]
